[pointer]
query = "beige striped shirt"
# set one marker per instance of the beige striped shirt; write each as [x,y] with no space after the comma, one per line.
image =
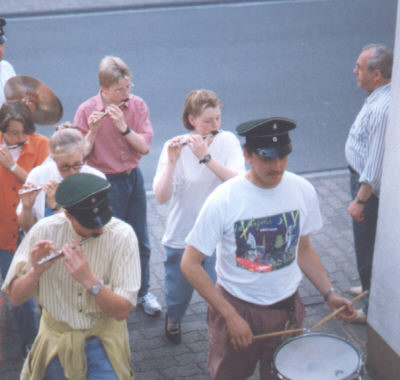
[113,257]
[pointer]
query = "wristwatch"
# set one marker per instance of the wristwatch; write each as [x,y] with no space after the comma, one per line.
[205,159]
[328,293]
[127,131]
[96,288]
[358,200]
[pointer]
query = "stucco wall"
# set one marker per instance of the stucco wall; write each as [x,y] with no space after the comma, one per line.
[384,308]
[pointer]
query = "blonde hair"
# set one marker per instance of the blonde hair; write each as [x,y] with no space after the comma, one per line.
[112,70]
[196,102]
[66,141]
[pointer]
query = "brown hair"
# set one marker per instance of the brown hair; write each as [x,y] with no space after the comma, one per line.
[17,111]
[196,102]
[111,70]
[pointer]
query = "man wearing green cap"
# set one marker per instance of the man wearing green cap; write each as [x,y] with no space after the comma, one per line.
[86,291]
[260,223]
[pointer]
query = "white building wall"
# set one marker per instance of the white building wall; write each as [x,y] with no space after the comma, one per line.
[384,309]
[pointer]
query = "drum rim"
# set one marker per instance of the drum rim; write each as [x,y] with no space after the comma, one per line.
[330,335]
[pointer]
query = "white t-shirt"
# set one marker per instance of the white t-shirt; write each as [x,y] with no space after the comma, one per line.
[193,183]
[41,174]
[6,72]
[256,232]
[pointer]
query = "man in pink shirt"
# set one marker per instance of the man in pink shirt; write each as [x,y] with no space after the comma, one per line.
[118,132]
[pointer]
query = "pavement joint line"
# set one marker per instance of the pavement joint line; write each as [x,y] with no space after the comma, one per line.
[307,175]
[324,173]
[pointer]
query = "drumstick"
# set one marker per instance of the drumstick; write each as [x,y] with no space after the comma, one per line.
[337,311]
[295,331]
[54,255]
[105,113]
[279,333]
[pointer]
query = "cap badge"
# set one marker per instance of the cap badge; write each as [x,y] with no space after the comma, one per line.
[95,210]
[274,139]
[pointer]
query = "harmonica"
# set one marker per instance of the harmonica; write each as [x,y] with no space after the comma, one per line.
[15,146]
[53,255]
[26,191]
[185,140]
[105,113]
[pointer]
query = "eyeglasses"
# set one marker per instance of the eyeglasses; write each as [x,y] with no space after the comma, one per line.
[124,89]
[67,168]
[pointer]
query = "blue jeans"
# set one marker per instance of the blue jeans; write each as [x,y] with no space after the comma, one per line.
[25,315]
[178,290]
[98,364]
[364,234]
[128,201]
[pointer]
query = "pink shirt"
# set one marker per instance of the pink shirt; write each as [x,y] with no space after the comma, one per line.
[111,153]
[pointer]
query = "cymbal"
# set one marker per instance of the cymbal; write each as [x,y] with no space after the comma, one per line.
[48,107]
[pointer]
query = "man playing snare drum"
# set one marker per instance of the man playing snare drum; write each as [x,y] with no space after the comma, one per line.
[260,223]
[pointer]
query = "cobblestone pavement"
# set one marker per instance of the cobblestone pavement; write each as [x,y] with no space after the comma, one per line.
[154,358]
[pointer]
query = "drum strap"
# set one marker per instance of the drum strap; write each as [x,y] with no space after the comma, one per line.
[292,322]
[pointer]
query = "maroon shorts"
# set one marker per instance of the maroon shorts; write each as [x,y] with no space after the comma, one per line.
[224,362]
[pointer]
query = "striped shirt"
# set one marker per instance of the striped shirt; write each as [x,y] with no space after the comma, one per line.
[113,257]
[365,144]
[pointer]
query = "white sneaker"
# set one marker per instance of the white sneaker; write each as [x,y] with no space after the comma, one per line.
[355,290]
[361,317]
[149,304]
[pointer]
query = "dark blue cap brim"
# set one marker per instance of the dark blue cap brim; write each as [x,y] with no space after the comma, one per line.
[3,39]
[274,152]
[93,222]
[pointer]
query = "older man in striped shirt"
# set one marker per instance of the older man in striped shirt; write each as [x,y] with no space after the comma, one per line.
[364,151]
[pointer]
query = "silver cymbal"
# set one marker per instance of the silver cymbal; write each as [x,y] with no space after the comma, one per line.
[48,107]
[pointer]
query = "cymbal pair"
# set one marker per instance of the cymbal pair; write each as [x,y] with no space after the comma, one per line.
[47,107]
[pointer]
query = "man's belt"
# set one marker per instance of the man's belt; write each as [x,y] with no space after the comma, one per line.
[285,304]
[352,170]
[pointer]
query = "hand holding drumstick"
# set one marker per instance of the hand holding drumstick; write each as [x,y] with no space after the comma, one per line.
[320,323]
[338,311]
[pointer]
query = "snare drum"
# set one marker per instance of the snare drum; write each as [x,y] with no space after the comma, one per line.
[317,356]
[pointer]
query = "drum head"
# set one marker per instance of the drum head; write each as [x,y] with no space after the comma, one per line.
[316,356]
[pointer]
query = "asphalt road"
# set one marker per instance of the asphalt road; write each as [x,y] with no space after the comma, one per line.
[292,59]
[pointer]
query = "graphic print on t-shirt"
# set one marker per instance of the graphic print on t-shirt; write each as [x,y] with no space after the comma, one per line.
[268,243]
